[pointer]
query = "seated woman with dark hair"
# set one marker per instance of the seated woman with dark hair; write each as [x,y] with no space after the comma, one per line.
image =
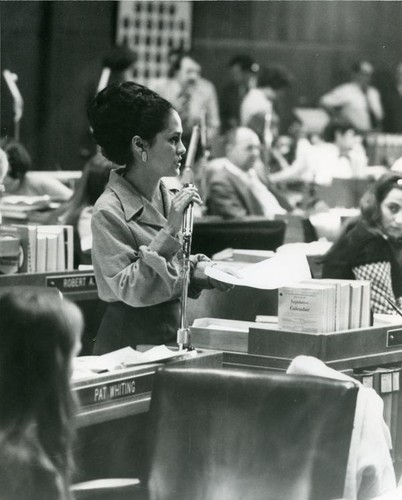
[39,335]
[370,248]
[20,181]
[78,211]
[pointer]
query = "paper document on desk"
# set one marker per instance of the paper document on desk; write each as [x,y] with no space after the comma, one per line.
[84,366]
[280,270]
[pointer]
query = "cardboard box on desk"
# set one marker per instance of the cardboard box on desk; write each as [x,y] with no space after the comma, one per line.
[368,343]
[355,348]
[221,334]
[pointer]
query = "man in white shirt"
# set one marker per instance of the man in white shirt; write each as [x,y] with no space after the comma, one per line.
[233,188]
[194,97]
[340,156]
[356,102]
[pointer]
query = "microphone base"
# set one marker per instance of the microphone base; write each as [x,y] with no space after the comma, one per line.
[183,338]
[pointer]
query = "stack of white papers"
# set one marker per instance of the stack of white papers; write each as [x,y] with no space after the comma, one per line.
[280,270]
[86,366]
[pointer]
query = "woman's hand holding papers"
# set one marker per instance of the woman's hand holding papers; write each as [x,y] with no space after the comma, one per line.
[221,285]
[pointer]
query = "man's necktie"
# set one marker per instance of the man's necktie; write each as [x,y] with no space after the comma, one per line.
[183,104]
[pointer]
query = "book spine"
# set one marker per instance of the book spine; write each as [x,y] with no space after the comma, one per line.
[118,389]
[396,371]
[386,394]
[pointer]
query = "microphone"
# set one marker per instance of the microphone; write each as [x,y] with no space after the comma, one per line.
[183,333]
[188,180]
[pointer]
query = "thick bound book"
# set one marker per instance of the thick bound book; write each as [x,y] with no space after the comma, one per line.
[65,245]
[309,308]
[32,235]
[41,253]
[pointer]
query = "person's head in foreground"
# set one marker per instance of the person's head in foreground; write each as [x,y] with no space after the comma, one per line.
[40,334]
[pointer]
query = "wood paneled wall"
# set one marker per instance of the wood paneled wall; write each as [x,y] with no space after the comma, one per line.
[317,41]
[56,46]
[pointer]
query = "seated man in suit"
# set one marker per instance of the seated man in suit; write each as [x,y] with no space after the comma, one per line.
[233,188]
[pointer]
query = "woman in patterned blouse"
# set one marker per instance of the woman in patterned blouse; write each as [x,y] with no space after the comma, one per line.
[370,247]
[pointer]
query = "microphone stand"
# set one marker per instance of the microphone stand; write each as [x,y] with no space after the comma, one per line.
[183,333]
[11,79]
[206,153]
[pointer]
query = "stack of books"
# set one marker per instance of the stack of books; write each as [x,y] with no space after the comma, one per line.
[324,305]
[45,248]
[18,207]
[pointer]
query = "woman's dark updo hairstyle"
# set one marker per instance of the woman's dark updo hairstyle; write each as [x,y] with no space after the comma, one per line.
[121,111]
[372,199]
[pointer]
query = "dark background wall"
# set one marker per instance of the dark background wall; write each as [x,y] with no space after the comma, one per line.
[55,47]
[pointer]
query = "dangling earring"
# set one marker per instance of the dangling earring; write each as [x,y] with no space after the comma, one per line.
[144,156]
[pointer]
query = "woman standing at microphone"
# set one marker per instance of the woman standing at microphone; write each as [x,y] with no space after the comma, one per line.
[136,222]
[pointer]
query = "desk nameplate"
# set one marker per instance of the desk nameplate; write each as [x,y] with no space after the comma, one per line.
[394,337]
[72,283]
[125,387]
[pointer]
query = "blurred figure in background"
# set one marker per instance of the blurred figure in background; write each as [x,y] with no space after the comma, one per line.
[242,72]
[20,181]
[341,155]
[392,100]
[287,166]
[121,61]
[258,106]
[78,211]
[397,166]
[233,188]
[117,65]
[3,170]
[193,97]
[40,335]
[370,248]
[356,102]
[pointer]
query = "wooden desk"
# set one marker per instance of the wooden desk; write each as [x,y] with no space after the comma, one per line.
[67,177]
[112,437]
[82,291]
[98,409]
[343,192]
[241,303]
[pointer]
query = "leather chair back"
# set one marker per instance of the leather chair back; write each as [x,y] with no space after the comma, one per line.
[248,435]
[211,236]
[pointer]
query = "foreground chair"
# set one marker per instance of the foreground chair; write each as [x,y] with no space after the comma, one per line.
[248,435]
